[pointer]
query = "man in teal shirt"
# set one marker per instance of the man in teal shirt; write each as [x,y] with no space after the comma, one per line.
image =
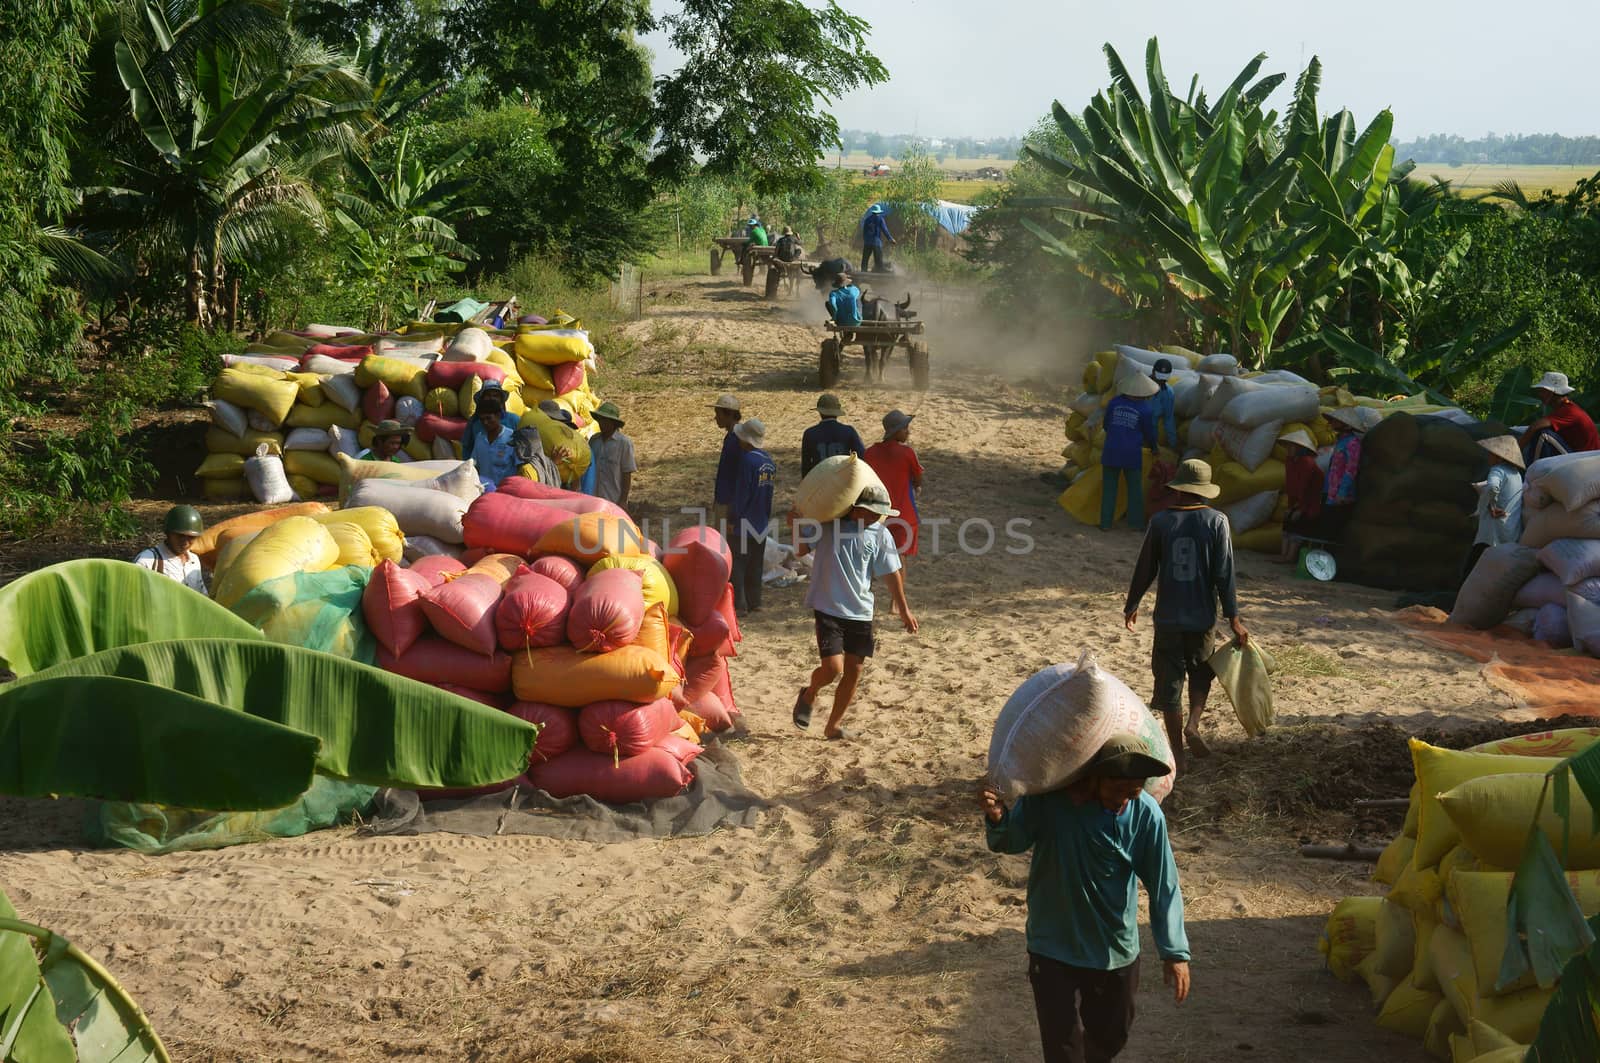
[1090,841]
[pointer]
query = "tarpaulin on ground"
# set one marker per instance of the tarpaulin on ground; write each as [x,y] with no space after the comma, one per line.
[1546,682]
[717,798]
[953,218]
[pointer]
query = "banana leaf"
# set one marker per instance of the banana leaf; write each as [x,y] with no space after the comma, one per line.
[376,727]
[81,607]
[1569,1032]
[123,740]
[42,998]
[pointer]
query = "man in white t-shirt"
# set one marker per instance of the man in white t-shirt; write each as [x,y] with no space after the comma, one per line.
[175,558]
[851,552]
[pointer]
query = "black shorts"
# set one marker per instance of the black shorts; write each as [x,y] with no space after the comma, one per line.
[1180,655]
[836,635]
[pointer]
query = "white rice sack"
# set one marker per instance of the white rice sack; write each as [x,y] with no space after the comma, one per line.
[343,441]
[1058,719]
[419,546]
[1282,403]
[228,417]
[282,365]
[1486,597]
[1253,512]
[1550,625]
[1202,435]
[408,410]
[342,391]
[1571,560]
[1221,364]
[259,421]
[328,332]
[1589,588]
[322,365]
[1228,389]
[410,348]
[1522,621]
[1583,620]
[1249,446]
[1540,527]
[443,449]
[268,482]
[469,345]
[308,439]
[1189,393]
[1140,356]
[461,480]
[1572,483]
[1543,589]
[1281,376]
[1533,492]
[418,510]
[1086,403]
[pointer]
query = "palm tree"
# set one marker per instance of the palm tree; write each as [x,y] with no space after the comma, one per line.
[235,113]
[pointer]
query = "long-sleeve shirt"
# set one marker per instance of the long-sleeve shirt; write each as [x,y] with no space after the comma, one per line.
[828,438]
[1502,490]
[1129,428]
[1188,554]
[1164,412]
[1083,902]
[751,507]
[728,469]
[1342,470]
[875,231]
[1302,482]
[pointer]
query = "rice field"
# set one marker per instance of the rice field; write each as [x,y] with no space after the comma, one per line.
[1481,177]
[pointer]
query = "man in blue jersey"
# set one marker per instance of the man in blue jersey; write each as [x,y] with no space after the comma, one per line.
[728,414]
[749,513]
[1093,842]
[829,437]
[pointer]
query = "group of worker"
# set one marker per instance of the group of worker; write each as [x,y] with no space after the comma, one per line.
[875,236]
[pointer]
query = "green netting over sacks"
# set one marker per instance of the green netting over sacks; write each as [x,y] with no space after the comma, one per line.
[314,610]
[154,829]
[1413,522]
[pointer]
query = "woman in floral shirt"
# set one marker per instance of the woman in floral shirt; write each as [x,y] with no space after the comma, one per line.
[1346,461]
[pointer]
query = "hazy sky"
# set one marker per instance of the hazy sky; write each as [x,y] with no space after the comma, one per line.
[992,67]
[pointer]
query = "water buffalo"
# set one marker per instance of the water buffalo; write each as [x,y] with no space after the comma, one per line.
[873,308]
[823,273]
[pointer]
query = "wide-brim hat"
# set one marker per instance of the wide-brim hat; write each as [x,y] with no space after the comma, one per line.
[1299,437]
[1504,448]
[894,421]
[1194,477]
[556,412]
[876,500]
[607,411]
[1351,416]
[1138,386]
[391,428]
[727,402]
[876,208]
[751,431]
[1127,756]
[829,405]
[1555,383]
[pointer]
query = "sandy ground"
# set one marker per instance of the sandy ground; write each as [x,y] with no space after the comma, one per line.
[863,919]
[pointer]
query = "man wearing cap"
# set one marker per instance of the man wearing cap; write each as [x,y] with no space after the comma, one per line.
[474,434]
[844,303]
[1129,429]
[727,412]
[611,454]
[749,512]
[897,466]
[829,437]
[756,232]
[1188,554]
[1164,406]
[1564,429]
[1499,497]
[1091,841]
[388,438]
[175,557]
[874,232]
[851,552]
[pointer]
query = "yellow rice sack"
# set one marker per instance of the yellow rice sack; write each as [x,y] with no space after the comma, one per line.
[1479,899]
[1348,937]
[1394,941]
[556,436]
[1396,855]
[310,385]
[1267,539]
[1493,813]
[296,544]
[1239,483]
[219,489]
[312,464]
[355,546]
[1423,975]
[1516,1015]
[1443,1023]
[442,401]
[400,377]
[271,396]
[1440,770]
[658,585]
[552,346]
[383,531]
[304,486]
[1451,959]
[221,467]
[219,441]
[1408,1009]
[325,416]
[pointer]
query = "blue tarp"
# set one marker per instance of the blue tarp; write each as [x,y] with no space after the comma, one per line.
[953,218]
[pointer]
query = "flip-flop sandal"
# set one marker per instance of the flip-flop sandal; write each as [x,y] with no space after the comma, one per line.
[841,736]
[802,711]
[1198,744]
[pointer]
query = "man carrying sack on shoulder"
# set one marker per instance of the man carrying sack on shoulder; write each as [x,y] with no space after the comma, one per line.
[1091,841]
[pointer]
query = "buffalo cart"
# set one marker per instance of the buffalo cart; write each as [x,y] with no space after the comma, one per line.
[877,339]
[722,245]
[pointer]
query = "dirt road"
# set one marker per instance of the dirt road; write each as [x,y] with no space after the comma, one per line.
[863,919]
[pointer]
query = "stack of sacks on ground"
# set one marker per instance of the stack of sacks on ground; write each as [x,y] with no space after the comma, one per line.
[307,397]
[1548,584]
[1230,419]
[1430,951]
[1414,518]
[559,613]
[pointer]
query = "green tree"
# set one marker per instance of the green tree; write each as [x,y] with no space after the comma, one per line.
[913,189]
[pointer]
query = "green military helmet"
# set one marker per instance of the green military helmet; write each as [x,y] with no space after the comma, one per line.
[185,520]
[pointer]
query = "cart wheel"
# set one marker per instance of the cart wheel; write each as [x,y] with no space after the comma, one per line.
[919,366]
[716,262]
[774,278]
[749,268]
[828,364]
